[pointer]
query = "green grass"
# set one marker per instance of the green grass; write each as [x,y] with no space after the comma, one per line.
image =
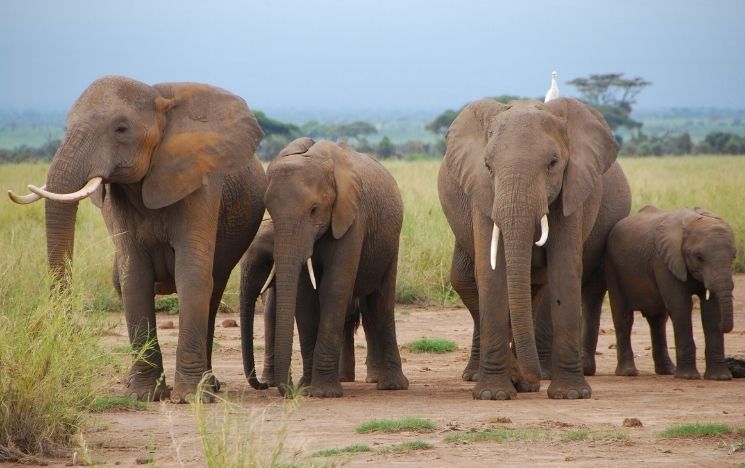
[332,452]
[696,430]
[432,345]
[117,403]
[167,304]
[495,435]
[575,435]
[410,446]
[397,425]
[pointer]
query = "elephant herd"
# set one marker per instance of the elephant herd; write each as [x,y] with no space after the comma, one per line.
[532,191]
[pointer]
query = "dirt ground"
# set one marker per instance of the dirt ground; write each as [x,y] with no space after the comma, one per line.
[166,434]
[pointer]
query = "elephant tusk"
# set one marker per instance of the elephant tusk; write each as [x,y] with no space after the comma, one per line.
[25,199]
[310,272]
[269,279]
[73,197]
[544,231]
[494,246]
[708,294]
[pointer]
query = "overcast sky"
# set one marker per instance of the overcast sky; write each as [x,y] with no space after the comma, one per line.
[384,54]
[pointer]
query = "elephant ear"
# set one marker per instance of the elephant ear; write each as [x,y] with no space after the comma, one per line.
[348,184]
[669,241]
[297,146]
[207,131]
[592,150]
[466,141]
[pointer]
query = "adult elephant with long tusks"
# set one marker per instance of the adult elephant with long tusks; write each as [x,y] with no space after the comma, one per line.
[339,213]
[173,168]
[527,189]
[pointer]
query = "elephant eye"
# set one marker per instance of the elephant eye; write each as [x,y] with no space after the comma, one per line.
[698,256]
[121,128]
[487,166]
[314,210]
[554,162]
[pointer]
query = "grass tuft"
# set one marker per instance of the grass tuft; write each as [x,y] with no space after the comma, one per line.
[354,448]
[575,435]
[117,403]
[405,447]
[496,435]
[432,345]
[397,425]
[696,430]
[167,304]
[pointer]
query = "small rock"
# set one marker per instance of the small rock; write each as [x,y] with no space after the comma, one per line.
[667,451]
[612,346]
[725,412]
[632,422]
[144,460]
[168,324]
[569,459]
[602,331]
[647,348]
[229,323]
[598,353]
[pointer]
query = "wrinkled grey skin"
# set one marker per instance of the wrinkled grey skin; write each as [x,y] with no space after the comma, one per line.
[255,267]
[344,210]
[182,200]
[510,165]
[657,260]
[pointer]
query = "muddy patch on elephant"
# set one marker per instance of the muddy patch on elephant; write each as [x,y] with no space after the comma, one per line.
[532,429]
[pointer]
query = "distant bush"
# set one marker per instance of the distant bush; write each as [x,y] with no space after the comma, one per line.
[658,145]
[723,143]
[25,153]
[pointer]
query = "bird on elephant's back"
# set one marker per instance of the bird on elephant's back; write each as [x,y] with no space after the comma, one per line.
[173,168]
[338,212]
[530,191]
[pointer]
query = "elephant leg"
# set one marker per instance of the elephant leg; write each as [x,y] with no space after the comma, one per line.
[270,311]
[220,280]
[464,282]
[145,380]
[381,308]
[564,256]
[623,320]
[543,329]
[307,318]
[371,361]
[593,292]
[716,369]
[685,348]
[346,361]
[663,365]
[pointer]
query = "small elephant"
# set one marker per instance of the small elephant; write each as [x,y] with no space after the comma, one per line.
[256,274]
[510,173]
[339,213]
[173,169]
[655,261]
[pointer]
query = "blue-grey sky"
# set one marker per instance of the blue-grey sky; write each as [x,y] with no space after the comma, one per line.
[384,54]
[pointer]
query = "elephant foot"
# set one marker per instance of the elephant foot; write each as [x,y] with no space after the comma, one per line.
[494,388]
[147,388]
[523,386]
[346,376]
[186,392]
[689,374]
[471,372]
[373,375]
[324,390]
[665,368]
[267,376]
[570,388]
[545,370]
[626,370]
[392,380]
[717,373]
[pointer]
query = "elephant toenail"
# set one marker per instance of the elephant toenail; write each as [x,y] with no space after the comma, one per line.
[501,395]
[485,395]
[572,394]
[585,393]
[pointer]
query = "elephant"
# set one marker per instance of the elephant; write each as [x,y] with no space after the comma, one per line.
[655,261]
[510,172]
[257,279]
[173,168]
[340,212]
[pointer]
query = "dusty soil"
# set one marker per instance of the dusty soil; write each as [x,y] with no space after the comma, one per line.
[167,435]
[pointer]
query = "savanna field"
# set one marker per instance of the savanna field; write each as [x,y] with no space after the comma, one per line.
[62,361]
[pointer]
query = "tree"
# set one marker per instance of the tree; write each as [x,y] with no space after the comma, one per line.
[442,122]
[385,148]
[275,127]
[356,130]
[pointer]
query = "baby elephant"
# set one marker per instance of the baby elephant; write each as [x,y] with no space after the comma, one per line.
[655,261]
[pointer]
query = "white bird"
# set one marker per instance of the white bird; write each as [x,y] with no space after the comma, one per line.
[553,91]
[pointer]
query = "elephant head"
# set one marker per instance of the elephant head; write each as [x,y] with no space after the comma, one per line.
[313,191]
[163,142]
[699,243]
[517,163]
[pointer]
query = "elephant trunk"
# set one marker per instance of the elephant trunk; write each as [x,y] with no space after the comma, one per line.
[518,235]
[724,297]
[249,295]
[288,260]
[68,173]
